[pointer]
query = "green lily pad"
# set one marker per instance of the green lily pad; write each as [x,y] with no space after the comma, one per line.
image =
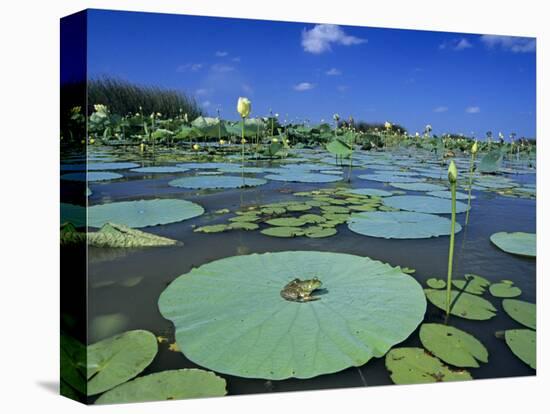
[160,170]
[424,204]
[99,166]
[435,283]
[220,181]
[523,343]
[286,222]
[415,366]
[452,345]
[230,317]
[388,178]
[243,225]
[143,213]
[448,194]
[73,363]
[519,243]
[283,231]
[312,218]
[335,209]
[504,289]
[472,284]
[521,311]
[400,225]
[370,192]
[121,236]
[115,360]
[167,385]
[418,186]
[91,176]
[298,207]
[214,228]
[317,232]
[464,305]
[304,177]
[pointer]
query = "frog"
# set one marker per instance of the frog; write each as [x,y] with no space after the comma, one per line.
[300,290]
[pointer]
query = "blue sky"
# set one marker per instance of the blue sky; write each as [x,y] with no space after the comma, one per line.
[456,82]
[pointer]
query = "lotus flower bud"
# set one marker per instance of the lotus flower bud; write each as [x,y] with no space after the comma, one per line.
[453,173]
[196,147]
[222,141]
[387,125]
[243,107]
[474,148]
[243,141]
[274,140]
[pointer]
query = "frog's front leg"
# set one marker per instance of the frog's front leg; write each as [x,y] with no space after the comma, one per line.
[309,298]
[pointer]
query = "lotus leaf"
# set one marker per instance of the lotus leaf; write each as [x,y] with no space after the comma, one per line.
[283,231]
[99,166]
[303,177]
[118,235]
[464,305]
[388,178]
[91,176]
[370,192]
[214,228]
[229,315]
[312,218]
[523,343]
[298,207]
[222,181]
[447,194]
[504,289]
[491,162]
[317,232]
[400,225]
[243,225]
[436,283]
[115,360]
[143,213]
[167,385]
[424,204]
[418,186]
[521,311]
[453,346]
[472,284]
[286,222]
[73,363]
[519,243]
[415,366]
[160,169]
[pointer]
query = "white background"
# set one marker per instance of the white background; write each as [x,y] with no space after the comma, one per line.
[29,228]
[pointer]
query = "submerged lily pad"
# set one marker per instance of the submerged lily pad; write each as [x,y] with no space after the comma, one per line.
[424,204]
[229,315]
[464,305]
[523,343]
[415,366]
[504,289]
[520,243]
[91,176]
[143,213]
[521,311]
[218,181]
[400,225]
[167,385]
[120,236]
[115,360]
[452,345]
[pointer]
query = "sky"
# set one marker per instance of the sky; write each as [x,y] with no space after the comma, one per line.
[456,82]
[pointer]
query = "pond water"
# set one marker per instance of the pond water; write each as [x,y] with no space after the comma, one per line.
[124,285]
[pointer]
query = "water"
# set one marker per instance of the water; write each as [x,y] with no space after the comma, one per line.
[127,283]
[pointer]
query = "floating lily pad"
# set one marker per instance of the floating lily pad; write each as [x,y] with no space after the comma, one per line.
[205,165]
[436,283]
[452,345]
[99,166]
[519,243]
[418,186]
[221,181]
[424,204]
[521,311]
[312,218]
[286,222]
[214,228]
[415,366]
[91,176]
[229,315]
[243,225]
[160,170]
[283,231]
[143,213]
[388,178]
[523,343]
[115,360]
[447,194]
[400,225]
[317,232]
[464,305]
[472,284]
[167,385]
[504,289]
[370,192]
[298,207]
[304,177]
[119,236]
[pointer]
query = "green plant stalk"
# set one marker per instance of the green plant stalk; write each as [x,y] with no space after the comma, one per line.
[470,181]
[451,252]
[242,147]
[350,161]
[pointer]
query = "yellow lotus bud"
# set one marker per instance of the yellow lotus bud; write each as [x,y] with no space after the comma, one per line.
[243,141]
[222,141]
[196,147]
[474,148]
[387,125]
[453,173]
[243,107]
[274,140]
[142,147]
[159,114]
[92,141]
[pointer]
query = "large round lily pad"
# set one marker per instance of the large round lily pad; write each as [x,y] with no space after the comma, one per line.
[418,186]
[167,385]
[448,194]
[523,343]
[452,345]
[230,317]
[521,311]
[299,176]
[370,192]
[115,360]
[415,366]
[91,176]
[221,181]
[504,289]
[522,244]
[424,204]
[463,304]
[400,225]
[143,213]
[388,178]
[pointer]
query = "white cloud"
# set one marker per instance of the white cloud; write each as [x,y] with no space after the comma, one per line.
[189,66]
[220,68]
[473,110]
[456,44]
[333,72]
[510,43]
[206,104]
[303,86]
[441,109]
[320,38]
[221,53]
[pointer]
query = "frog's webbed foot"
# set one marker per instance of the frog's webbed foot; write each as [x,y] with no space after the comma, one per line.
[309,298]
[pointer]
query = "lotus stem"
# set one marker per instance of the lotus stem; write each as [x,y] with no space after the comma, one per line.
[452,179]
[470,182]
[242,147]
